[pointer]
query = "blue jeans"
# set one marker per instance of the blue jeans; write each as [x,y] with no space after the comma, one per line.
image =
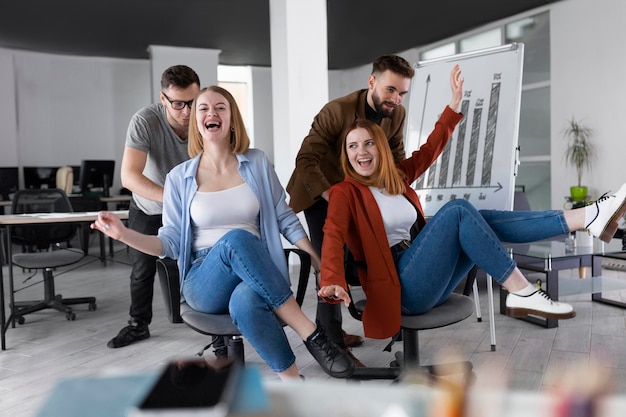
[459,236]
[237,275]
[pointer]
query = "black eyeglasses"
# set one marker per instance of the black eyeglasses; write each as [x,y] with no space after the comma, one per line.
[178,104]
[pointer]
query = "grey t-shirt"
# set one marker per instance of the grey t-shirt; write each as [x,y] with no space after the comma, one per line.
[150,132]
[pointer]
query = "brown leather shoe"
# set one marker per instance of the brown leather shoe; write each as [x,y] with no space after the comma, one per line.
[352,340]
[357,362]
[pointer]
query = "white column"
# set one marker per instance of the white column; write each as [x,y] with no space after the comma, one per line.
[299,74]
[203,61]
[8,110]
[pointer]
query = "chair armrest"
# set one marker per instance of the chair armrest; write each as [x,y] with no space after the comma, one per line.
[305,271]
[167,270]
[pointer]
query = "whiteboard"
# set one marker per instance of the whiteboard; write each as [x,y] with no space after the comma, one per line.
[480,161]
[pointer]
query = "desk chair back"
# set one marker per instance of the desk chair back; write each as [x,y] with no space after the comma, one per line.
[216,324]
[65,179]
[42,201]
[45,252]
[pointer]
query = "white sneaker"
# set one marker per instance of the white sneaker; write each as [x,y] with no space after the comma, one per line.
[610,209]
[538,303]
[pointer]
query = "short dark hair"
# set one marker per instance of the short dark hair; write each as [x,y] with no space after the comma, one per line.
[393,63]
[179,76]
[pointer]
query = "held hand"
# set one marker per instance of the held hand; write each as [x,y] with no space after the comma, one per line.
[109,224]
[334,292]
[456,85]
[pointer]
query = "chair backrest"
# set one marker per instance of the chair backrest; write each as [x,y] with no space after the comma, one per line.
[167,270]
[65,179]
[42,201]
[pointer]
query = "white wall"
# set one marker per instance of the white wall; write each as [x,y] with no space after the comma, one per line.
[72,108]
[588,61]
[8,120]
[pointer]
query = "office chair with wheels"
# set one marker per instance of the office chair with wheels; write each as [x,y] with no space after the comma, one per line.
[216,324]
[457,308]
[45,250]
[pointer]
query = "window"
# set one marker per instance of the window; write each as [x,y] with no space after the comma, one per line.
[438,52]
[237,80]
[481,40]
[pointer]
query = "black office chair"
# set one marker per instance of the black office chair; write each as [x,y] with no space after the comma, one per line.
[46,249]
[457,308]
[216,324]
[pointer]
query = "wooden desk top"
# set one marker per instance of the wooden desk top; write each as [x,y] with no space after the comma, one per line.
[35,218]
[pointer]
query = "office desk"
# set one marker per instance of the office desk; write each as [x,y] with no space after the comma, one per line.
[105,200]
[8,220]
[550,257]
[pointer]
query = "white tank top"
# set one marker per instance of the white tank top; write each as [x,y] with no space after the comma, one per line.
[398,215]
[213,214]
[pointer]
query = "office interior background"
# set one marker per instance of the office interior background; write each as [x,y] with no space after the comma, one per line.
[60,109]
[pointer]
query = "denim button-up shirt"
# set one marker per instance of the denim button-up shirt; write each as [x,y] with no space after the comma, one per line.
[276,217]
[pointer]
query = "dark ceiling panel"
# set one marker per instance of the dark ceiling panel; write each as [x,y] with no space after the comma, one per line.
[358,30]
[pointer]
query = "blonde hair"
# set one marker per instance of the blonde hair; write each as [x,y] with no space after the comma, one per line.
[239,140]
[388,176]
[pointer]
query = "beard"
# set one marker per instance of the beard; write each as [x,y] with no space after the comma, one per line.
[378,106]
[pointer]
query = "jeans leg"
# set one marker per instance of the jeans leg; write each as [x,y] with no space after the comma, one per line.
[526,226]
[261,328]
[143,267]
[328,315]
[238,276]
[238,256]
[442,254]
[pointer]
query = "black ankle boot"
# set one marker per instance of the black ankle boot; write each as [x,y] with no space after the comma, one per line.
[333,360]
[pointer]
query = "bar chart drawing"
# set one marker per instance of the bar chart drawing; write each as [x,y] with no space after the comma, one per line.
[479,161]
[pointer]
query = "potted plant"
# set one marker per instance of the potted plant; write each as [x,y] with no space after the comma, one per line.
[579,153]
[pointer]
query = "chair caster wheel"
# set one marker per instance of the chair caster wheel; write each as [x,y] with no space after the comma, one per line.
[92,306]
[70,316]
[20,320]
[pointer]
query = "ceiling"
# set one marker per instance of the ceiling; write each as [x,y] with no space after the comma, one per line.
[358,30]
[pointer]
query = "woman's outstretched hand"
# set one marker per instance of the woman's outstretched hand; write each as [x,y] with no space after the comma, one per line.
[109,224]
[334,292]
[456,85]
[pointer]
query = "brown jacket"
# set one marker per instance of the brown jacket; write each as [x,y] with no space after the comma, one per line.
[318,165]
[354,218]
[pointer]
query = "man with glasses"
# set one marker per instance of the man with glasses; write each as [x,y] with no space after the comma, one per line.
[156,141]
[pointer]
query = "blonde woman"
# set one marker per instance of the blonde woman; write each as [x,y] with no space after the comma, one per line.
[223,213]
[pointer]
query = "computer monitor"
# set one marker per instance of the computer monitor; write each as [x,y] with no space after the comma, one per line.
[76,182]
[9,181]
[40,177]
[96,177]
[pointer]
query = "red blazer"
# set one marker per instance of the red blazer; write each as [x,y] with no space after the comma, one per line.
[355,219]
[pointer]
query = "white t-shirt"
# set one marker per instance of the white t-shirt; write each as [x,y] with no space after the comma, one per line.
[150,132]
